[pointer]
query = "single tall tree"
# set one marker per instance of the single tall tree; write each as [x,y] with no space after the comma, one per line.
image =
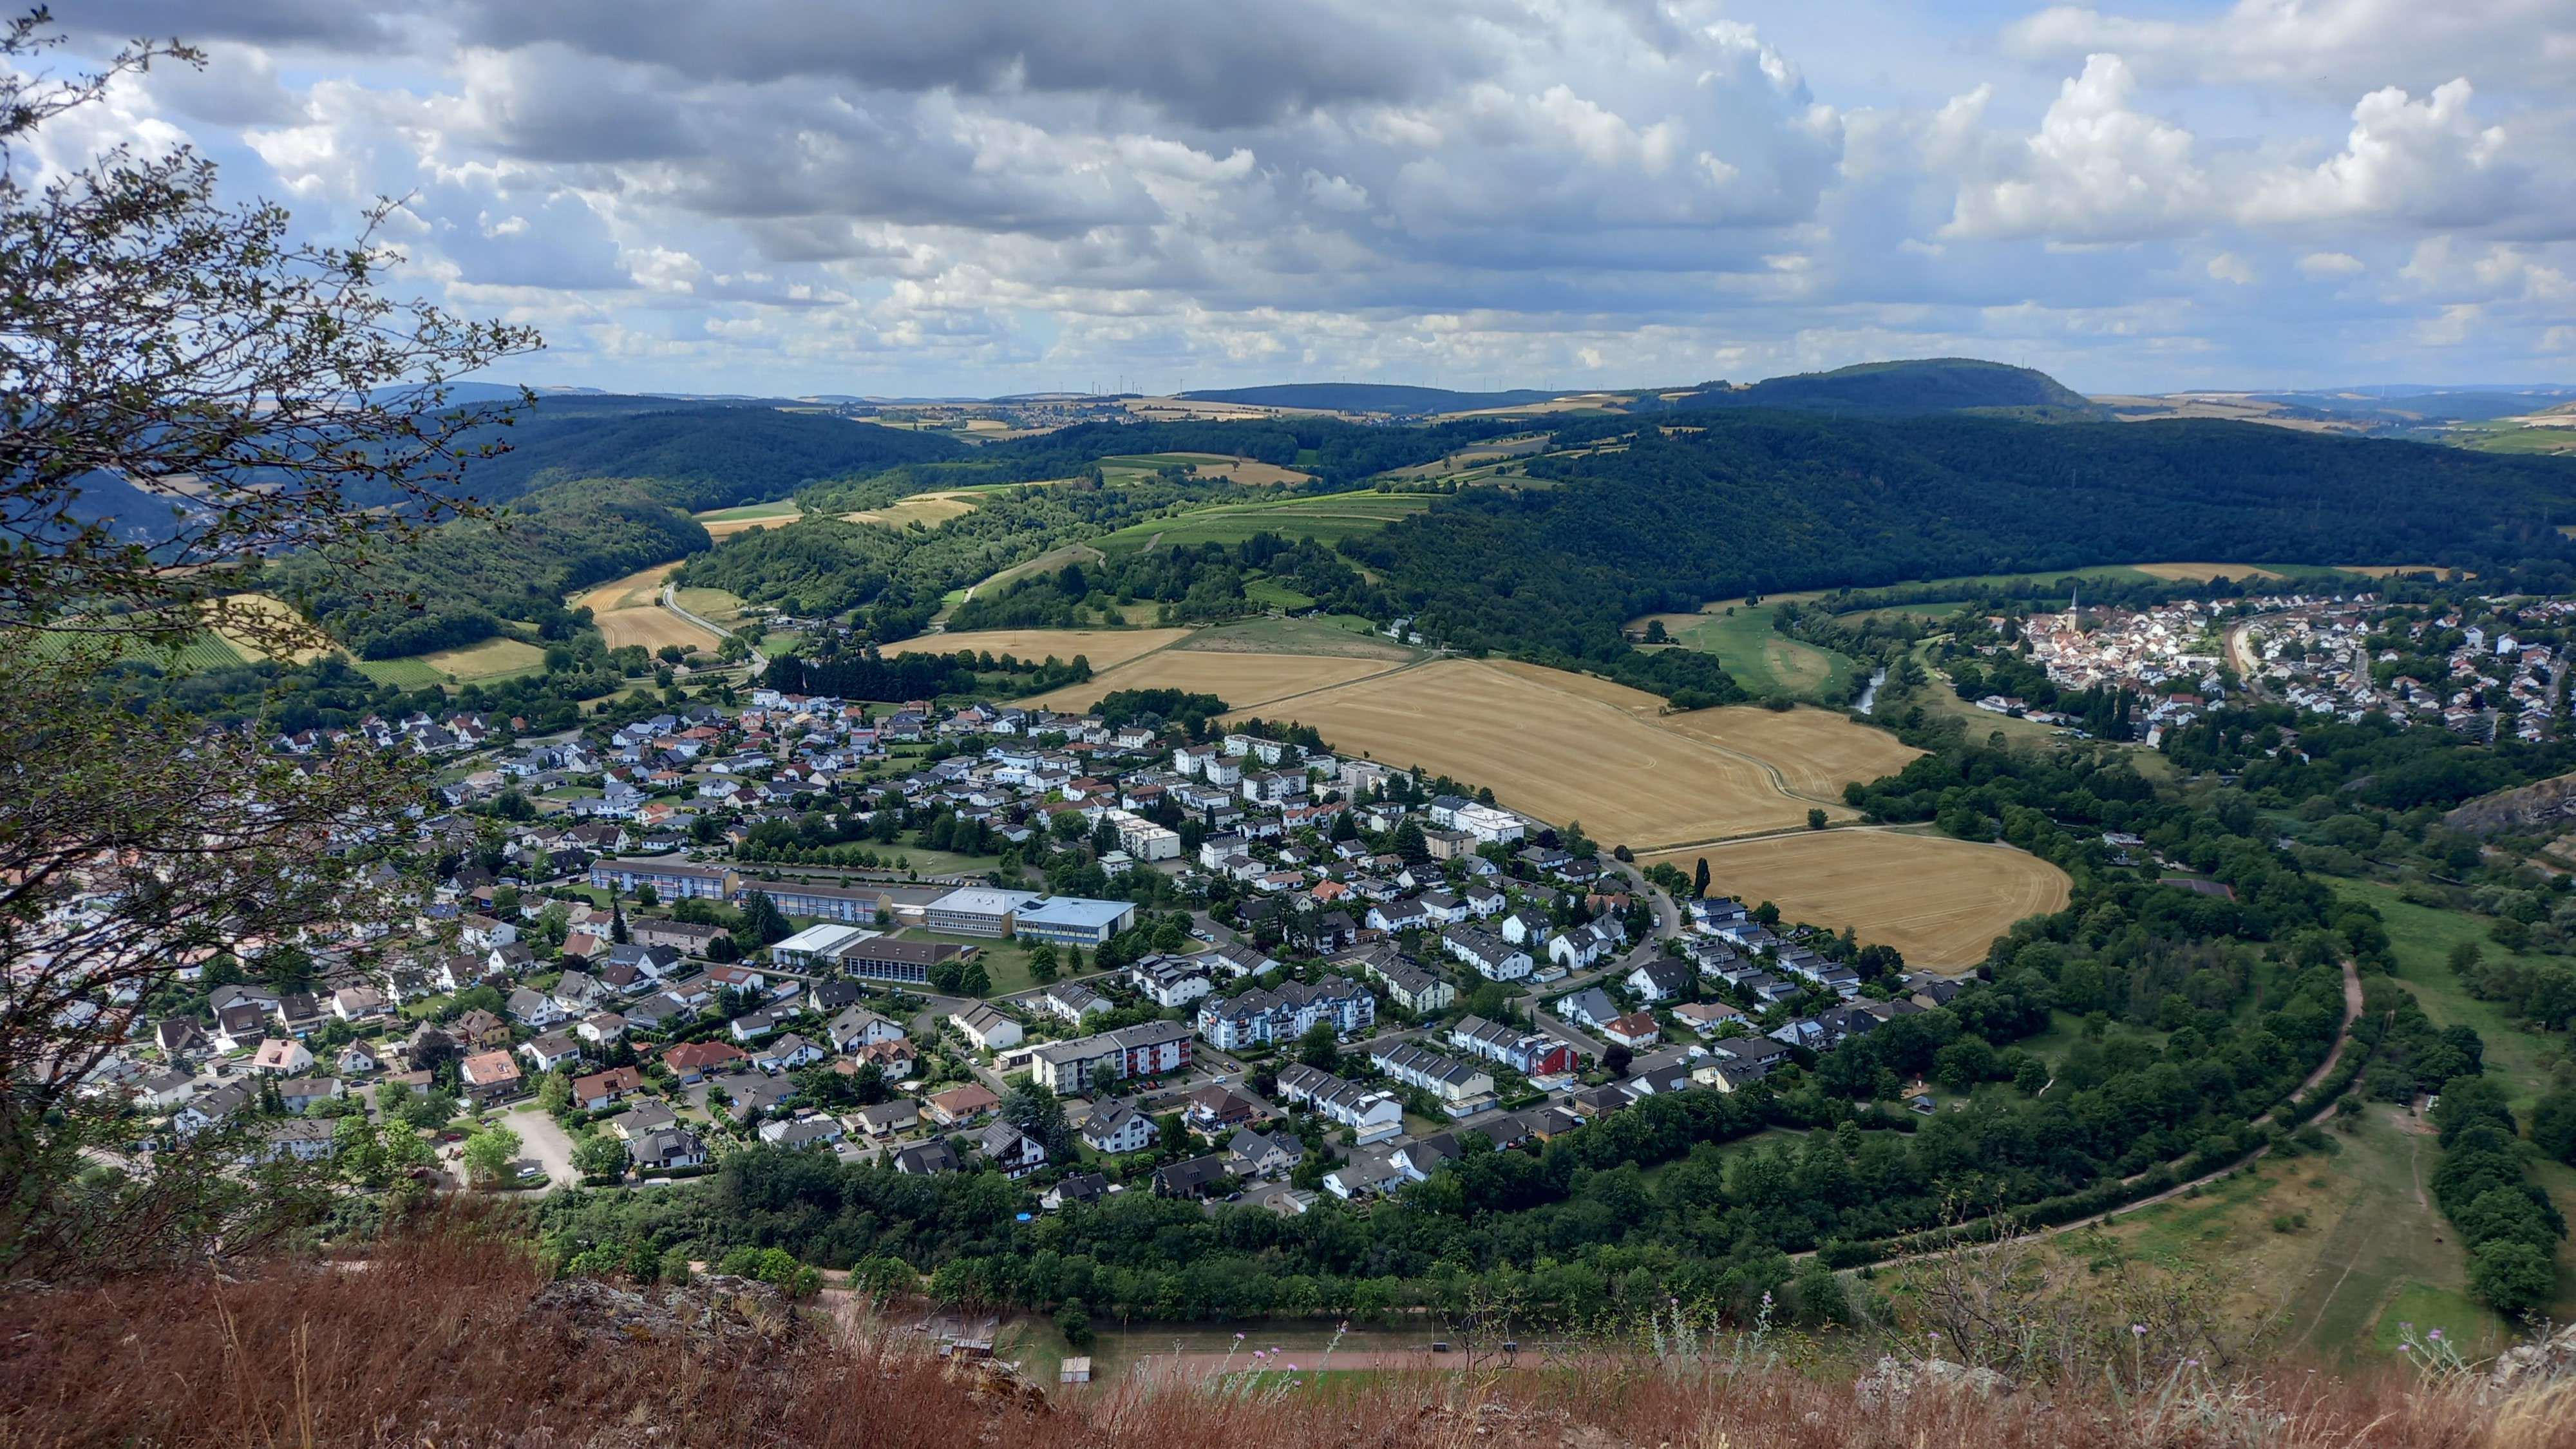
[185,391]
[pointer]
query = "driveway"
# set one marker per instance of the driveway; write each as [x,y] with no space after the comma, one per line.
[545,1142]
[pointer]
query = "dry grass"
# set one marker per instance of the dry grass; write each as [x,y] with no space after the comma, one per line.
[491,659]
[1250,682]
[1105,648]
[627,612]
[1938,900]
[927,509]
[433,1343]
[724,523]
[269,607]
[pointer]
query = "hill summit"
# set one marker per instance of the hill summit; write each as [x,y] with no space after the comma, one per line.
[1920,385]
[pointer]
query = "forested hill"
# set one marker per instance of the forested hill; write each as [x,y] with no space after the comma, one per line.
[694,456]
[1919,385]
[1708,505]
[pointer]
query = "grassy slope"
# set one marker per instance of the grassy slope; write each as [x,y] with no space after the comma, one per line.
[1326,519]
[1766,661]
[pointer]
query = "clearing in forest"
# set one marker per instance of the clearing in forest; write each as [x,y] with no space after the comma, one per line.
[1105,648]
[1326,518]
[628,611]
[926,509]
[1247,471]
[1939,901]
[723,523]
[1343,635]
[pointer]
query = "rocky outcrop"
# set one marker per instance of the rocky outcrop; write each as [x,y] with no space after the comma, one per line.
[2537,808]
[1894,1381]
[714,1308]
[2535,1365]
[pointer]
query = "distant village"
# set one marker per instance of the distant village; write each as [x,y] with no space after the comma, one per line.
[2332,655]
[1284,972]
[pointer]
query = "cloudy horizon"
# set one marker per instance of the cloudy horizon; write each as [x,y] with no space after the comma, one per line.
[909,197]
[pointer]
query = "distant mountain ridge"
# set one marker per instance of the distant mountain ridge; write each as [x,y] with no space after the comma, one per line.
[1370,397]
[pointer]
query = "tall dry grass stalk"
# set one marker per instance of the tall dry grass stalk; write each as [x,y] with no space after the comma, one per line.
[430,1341]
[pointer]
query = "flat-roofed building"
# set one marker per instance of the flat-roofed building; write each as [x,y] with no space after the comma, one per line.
[977,911]
[670,877]
[815,944]
[1073,920]
[883,958]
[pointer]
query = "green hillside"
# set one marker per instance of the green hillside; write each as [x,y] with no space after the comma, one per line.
[467,579]
[1718,504]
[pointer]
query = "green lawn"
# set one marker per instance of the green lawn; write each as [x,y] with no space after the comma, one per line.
[1276,595]
[412,673]
[1766,661]
[785,508]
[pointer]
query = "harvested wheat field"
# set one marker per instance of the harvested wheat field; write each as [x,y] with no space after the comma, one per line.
[926,509]
[2201,573]
[626,612]
[1558,746]
[1938,900]
[1246,682]
[723,523]
[1105,648]
[264,610]
[1816,751]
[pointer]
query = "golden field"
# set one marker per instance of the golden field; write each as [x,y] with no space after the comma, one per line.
[2201,573]
[926,509]
[1247,682]
[627,612]
[1938,900]
[1105,648]
[1559,746]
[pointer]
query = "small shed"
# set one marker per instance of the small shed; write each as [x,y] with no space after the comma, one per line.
[1074,1371]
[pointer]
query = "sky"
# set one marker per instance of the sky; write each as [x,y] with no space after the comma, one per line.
[982,197]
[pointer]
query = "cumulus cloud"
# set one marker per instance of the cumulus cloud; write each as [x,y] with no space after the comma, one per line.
[2429,161]
[936,195]
[2096,170]
[2321,48]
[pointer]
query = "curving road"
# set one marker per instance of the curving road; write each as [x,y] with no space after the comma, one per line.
[670,600]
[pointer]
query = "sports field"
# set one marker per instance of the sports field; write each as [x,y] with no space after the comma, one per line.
[726,522]
[1327,519]
[1105,648]
[1938,900]
[627,613]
